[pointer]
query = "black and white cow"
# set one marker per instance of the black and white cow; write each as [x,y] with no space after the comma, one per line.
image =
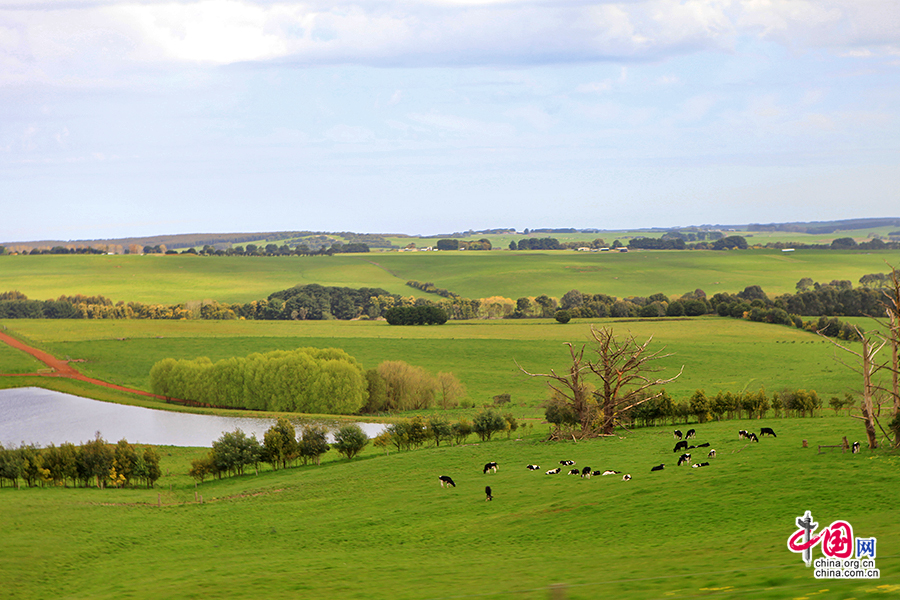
[574,472]
[705,464]
[743,434]
[752,437]
[611,472]
[712,453]
[533,467]
[567,463]
[626,477]
[491,466]
[596,474]
[691,433]
[487,493]
[586,472]
[767,431]
[657,467]
[678,435]
[554,471]
[855,448]
[445,479]
[684,459]
[680,446]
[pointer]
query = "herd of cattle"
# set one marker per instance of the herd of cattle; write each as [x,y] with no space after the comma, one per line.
[586,472]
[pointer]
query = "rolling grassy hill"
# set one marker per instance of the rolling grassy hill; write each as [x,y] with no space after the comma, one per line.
[382,527]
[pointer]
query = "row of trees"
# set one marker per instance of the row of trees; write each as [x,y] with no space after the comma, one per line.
[92,463]
[309,380]
[234,453]
[415,315]
[415,432]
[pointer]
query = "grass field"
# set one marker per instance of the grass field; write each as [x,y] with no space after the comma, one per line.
[717,353]
[382,527]
[179,279]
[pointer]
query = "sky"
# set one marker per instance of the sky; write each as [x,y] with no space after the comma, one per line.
[149,117]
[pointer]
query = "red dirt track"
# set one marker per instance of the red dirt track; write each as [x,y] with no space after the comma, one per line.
[62,368]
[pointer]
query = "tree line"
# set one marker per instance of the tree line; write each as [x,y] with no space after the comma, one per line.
[307,380]
[235,452]
[96,462]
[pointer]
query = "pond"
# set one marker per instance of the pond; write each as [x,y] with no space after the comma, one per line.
[44,417]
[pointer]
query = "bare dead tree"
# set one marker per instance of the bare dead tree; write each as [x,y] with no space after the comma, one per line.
[868,366]
[892,308]
[622,365]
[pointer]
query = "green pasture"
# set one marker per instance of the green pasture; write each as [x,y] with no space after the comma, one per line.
[381,526]
[717,353]
[179,279]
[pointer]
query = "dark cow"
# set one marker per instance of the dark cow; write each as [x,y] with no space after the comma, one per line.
[855,448]
[712,453]
[567,463]
[586,472]
[491,466]
[690,447]
[703,445]
[767,431]
[574,472]
[684,458]
[706,464]
[596,474]
[680,446]
[487,493]
[445,479]
[691,433]
[554,471]
[752,437]
[533,467]
[743,434]
[678,435]
[626,477]
[657,468]
[611,472]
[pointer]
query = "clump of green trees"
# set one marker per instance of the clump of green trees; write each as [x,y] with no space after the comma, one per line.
[415,315]
[310,380]
[307,380]
[96,462]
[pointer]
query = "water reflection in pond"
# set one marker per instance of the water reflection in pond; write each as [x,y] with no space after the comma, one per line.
[43,417]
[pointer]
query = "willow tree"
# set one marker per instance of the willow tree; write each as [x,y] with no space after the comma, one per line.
[615,377]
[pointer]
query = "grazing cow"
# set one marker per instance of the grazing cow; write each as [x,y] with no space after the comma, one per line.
[487,493]
[752,437]
[657,468]
[533,467]
[586,472]
[712,453]
[491,466]
[680,446]
[445,479]
[684,458]
[690,447]
[574,472]
[596,474]
[554,471]
[767,431]
[706,464]
[743,434]
[703,445]
[626,477]
[567,463]
[691,433]
[611,472]
[855,448]
[678,435]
